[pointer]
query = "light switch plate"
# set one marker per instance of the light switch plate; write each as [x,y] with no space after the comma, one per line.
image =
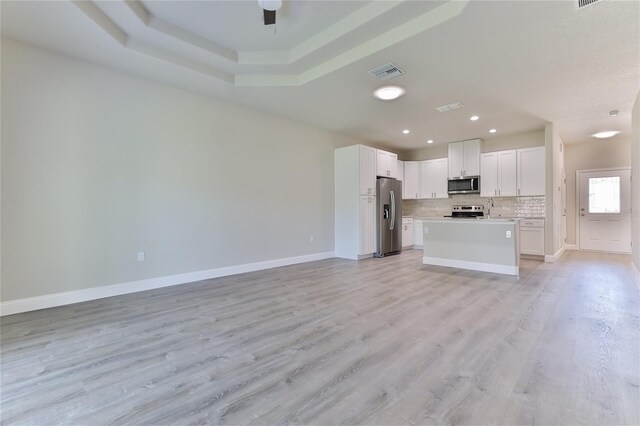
[508,234]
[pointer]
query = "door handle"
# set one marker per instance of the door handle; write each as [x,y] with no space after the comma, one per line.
[581,214]
[582,210]
[393,210]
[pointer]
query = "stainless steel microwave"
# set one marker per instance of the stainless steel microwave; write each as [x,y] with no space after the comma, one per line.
[464,185]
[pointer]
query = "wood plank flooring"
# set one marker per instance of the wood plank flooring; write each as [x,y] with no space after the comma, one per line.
[381,341]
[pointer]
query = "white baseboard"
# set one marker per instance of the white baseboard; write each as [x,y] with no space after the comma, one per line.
[474,266]
[571,247]
[552,258]
[68,297]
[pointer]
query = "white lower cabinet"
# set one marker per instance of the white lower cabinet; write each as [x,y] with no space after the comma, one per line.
[407,232]
[367,225]
[418,238]
[532,237]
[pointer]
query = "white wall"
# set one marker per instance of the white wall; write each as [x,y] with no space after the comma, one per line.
[594,154]
[98,165]
[635,184]
[555,222]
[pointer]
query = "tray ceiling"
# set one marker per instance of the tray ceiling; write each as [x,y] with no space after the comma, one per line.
[516,64]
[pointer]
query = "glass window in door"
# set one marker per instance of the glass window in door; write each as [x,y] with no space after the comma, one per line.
[604,194]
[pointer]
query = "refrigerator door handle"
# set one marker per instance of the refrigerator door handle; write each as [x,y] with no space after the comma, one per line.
[393,210]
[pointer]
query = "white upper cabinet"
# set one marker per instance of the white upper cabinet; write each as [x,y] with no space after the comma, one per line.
[531,171]
[489,174]
[507,176]
[367,163]
[498,177]
[387,164]
[411,183]
[433,178]
[464,158]
[441,186]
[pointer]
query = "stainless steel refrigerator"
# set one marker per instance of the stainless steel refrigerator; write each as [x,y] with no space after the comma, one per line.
[389,216]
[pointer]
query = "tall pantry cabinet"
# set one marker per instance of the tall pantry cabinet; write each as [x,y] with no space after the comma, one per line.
[355,202]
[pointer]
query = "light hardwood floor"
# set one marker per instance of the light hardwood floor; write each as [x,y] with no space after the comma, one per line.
[381,341]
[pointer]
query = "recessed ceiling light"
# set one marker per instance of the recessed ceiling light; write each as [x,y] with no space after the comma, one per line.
[474,118]
[430,141]
[492,131]
[614,113]
[388,93]
[406,131]
[604,135]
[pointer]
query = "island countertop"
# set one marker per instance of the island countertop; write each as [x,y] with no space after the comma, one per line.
[459,220]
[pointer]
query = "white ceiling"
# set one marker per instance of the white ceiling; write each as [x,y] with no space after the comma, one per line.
[516,64]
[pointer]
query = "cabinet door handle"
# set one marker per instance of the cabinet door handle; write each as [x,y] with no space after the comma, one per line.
[499,191]
[495,192]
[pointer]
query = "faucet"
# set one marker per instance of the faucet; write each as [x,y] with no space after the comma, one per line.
[489,205]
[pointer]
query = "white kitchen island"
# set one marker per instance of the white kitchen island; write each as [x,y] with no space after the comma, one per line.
[489,245]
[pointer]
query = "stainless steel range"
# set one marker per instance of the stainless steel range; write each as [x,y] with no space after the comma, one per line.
[467,212]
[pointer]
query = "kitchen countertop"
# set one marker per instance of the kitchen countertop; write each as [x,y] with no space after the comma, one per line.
[480,221]
[492,218]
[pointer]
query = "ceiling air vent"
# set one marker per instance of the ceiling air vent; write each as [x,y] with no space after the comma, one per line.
[450,107]
[386,72]
[583,3]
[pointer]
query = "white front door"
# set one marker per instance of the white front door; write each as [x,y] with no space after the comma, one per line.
[604,210]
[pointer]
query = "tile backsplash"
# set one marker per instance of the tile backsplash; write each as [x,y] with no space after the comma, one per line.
[503,206]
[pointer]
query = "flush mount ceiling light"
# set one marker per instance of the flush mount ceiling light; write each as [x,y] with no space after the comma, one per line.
[492,131]
[606,134]
[430,141]
[614,113]
[406,131]
[388,93]
[474,118]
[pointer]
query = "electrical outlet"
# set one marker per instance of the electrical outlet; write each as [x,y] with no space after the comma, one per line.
[140,256]
[508,234]
[311,239]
